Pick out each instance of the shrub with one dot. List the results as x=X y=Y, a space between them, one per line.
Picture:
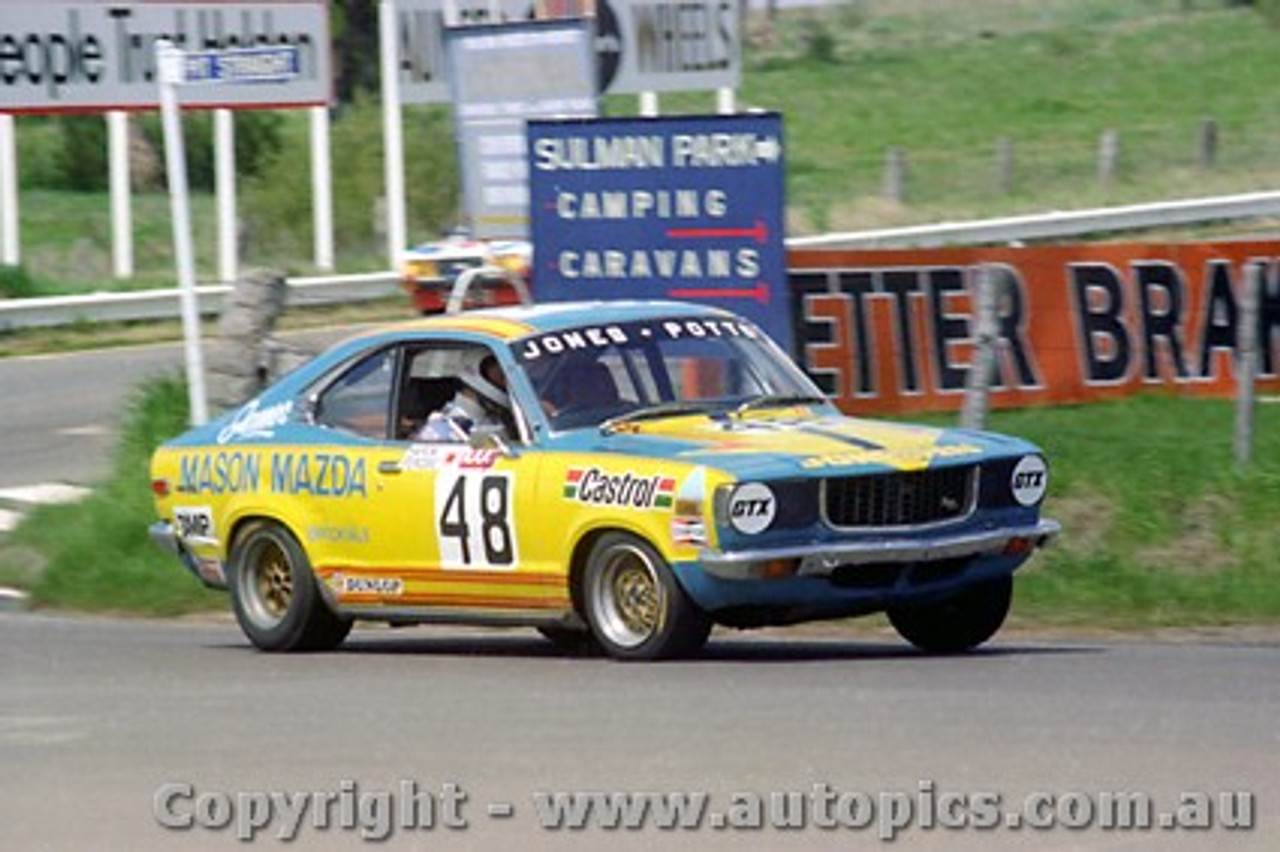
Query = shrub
x=257 y=140
x=277 y=205
x=16 y=283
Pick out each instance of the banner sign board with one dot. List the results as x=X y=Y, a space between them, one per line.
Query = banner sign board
x=682 y=207
x=503 y=75
x=891 y=330
x=86 y=56
x=640 y=45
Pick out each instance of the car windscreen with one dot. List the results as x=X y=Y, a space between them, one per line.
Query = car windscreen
x=586 y=375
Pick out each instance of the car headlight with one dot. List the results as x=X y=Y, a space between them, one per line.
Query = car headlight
x=747 y=507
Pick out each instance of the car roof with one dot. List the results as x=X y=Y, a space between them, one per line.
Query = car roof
x=515 y=322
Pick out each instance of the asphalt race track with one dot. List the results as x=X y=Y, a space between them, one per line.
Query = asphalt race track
x=62 y=412
x=107 y=725
x=458 y=739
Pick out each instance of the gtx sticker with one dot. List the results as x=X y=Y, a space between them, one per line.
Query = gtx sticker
x=626 y=490
x=751 y=508
x=1029 y=481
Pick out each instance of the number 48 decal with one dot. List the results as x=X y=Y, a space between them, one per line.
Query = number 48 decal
x=473 y=520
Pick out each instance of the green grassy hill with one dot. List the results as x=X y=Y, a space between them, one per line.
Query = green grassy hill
x=948 y=82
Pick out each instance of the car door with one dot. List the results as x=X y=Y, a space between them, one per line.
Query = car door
x=445 y=523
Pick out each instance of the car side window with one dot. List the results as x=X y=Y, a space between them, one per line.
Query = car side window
x=360 y=400
x=453 y=382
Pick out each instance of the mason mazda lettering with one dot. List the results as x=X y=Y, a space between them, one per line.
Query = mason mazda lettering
x=90 y=45
x=237 y=472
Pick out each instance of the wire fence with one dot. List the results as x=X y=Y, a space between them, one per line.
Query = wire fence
x=1122 y=165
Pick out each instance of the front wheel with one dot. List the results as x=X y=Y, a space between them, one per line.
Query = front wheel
x=635 y=607
x=275 y=596
x=958 y=623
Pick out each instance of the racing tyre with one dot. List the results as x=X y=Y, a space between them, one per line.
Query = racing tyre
x=275 y=596
x=636 y=609
x=957 y=623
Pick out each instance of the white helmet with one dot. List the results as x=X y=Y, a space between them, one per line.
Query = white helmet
x=471 y=376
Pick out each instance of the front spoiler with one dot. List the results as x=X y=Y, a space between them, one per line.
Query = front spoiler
x=820 y=560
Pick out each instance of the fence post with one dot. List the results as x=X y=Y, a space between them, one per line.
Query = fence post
x=1108 y=156
x=1207 y=145
x=977 y=383
x=895 y=175
x=1004 y=165
x=1247 y=363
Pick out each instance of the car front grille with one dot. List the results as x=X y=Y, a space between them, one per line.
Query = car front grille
x=899 y=499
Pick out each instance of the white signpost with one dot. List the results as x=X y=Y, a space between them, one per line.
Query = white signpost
x=176 y=68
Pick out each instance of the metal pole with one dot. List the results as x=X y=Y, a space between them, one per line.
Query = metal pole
x=392 y=132
x=118 y=178
x=224 y=175
x=726 y=100
x=169 y=63
x=977 y=388
x=9 y=249
x=1247 y=362
x=321 y=189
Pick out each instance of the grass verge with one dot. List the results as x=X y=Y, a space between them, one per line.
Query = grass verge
x=96 y=554
x=1160 y=528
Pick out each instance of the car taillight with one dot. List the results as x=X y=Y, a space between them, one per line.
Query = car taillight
x=160 y=487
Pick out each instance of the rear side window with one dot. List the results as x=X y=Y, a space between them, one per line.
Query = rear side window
x=360 y=400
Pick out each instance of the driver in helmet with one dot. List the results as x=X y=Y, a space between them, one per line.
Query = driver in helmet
x=481 y=401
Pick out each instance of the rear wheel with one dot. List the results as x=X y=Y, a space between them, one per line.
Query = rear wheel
x=957 y=623
x=275 y=596
x=636 y=609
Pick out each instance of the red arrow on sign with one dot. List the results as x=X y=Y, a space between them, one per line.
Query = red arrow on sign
x=760 y=232
x=760 y=293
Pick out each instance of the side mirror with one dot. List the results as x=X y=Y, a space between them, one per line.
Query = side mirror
x=490 y=437
x=310 y=412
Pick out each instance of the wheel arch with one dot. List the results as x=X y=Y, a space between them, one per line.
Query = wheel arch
x=582 y=547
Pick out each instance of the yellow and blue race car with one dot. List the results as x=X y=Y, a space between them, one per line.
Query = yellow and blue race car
x=626 y=474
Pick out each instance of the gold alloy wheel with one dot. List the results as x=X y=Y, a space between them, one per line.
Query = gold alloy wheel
x=628 y=596
x=267 y=581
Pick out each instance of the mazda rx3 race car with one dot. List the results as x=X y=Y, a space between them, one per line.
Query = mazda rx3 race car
x=653 y=469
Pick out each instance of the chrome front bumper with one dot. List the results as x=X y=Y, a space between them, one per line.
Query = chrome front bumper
x=820 y=560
